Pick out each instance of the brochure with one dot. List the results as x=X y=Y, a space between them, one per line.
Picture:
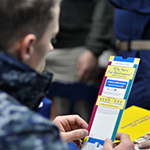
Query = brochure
x=136 y=122
x=111 y=101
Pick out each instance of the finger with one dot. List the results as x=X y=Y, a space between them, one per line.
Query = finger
x=108 y=144
x=84 y=75
x=122 y=136
x=70 y=122
x=144 y=145
x=76 y=121
x=78 y=143
x=80 y=74
x=74 y=135
x=80 y=69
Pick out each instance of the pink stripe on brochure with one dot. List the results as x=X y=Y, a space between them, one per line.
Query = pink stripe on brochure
x=95 y=106
x=92 y=118
x=104 y=80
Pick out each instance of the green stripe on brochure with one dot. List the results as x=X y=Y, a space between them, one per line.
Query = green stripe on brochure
x=121 y=111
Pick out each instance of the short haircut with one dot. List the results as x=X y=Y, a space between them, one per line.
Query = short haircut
x=21 y=17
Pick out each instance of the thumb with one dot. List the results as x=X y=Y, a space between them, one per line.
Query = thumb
x=74 y=135
x=108 y=144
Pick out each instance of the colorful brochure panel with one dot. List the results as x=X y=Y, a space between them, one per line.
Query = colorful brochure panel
x=111 y=101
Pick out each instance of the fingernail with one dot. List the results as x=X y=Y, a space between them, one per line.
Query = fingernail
x=84 y=133
x=107 y=139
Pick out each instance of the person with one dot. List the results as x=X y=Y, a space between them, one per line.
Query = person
x=132 y=31
x=100 y=39
x=80 y=21
x=26 y=28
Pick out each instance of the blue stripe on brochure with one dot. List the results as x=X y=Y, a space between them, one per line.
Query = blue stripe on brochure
x=93 y=140
x=129 y=59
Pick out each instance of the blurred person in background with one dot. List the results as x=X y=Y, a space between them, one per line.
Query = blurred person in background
x=86 y=31
x=132 y=32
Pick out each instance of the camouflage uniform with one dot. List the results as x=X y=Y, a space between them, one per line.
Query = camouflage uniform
x=21 y=91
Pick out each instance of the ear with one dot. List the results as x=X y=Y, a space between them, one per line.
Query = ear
x=27 y=47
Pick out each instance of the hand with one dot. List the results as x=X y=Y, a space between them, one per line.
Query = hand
x=87 y=66
x=125 y=143
x=72 y=128
x=144 y=145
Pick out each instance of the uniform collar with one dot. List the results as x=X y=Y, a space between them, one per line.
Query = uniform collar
x=22 y=82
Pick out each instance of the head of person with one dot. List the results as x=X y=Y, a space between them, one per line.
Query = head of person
x=27 y=28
